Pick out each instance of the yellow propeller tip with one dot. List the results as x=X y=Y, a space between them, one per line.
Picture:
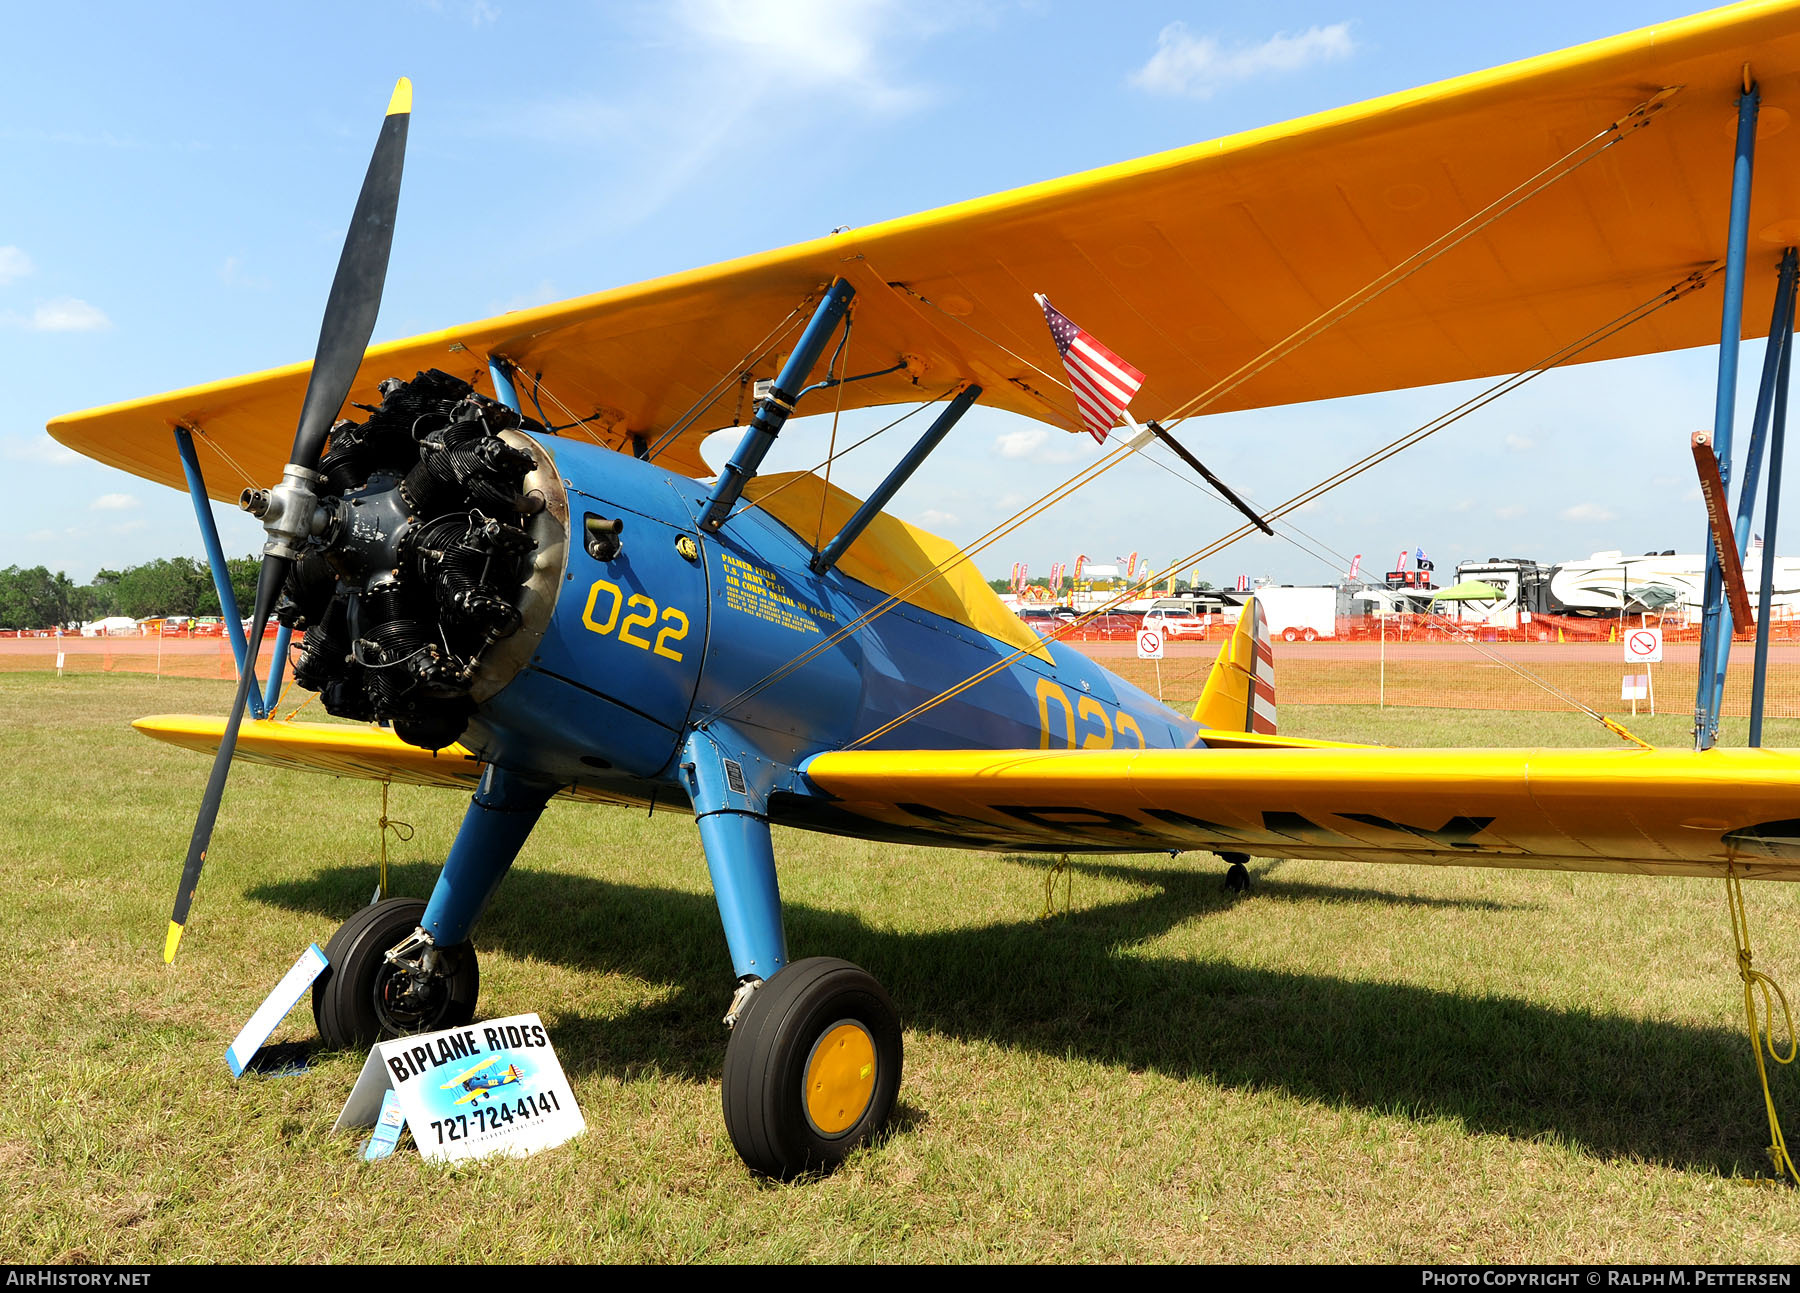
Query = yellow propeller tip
x=402 y=100
x=172 y=942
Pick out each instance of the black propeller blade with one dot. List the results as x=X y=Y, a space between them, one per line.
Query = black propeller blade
x=344 y=335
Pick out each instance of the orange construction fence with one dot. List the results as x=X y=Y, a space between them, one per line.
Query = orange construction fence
x=166 y=657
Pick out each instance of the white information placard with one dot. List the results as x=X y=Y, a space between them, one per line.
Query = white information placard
x=1149 y=644
x=1643 y=646
x=489 y=1088
x=274 y=1009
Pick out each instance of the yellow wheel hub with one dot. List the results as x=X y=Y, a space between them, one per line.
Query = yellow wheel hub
x=840 y=1078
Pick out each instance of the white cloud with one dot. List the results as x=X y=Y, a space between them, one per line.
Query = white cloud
x=1030 y=444
x=827 y=43
x=1520 y=443
x=475 y=12
x=1199 y=66
x=726 y=78
x=1511 y=512
x=931 y=518
x=232 y=274
x=544 y=293
x=39 y=449
x=69 y=314
x=1589 y=512
x=1020 y=444
x=13 y=264
x=113 y=503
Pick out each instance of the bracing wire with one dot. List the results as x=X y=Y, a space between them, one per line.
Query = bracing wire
x=1506 y=385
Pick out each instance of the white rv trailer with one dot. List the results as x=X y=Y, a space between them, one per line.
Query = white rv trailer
x=1608 y=583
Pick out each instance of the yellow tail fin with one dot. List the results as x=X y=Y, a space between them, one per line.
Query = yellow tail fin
x=1239 y=695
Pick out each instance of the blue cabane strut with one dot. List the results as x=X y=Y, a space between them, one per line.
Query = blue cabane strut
x=827 y=557
x=773 y=410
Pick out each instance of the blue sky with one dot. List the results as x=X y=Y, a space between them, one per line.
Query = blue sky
x=178 y=178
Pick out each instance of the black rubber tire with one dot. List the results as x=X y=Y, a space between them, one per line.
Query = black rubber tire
x=348 y=996
x=1237 y=878
x=765 y=1065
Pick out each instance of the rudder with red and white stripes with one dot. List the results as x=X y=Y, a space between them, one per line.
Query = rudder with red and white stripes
x=1239 y=695
x=1260 y=715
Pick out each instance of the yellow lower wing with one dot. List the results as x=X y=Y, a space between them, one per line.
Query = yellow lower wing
x=1671 y=812
x=339 y=749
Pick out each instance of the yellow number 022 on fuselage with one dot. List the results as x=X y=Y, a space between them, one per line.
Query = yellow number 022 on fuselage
x=641 y=613
x=1119 y=727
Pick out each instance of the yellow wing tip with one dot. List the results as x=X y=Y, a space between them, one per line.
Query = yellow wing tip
x=402 y=100
x=172 y=942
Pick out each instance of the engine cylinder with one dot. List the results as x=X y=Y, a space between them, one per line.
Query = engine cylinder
x=443 y=519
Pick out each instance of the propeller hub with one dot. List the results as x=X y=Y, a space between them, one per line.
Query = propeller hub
x=290 y=512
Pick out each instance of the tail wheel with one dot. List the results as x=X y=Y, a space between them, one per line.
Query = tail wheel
x=812 y=1068
x=363 y=998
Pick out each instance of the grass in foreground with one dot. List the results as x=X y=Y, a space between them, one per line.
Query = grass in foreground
x=1354 y=1063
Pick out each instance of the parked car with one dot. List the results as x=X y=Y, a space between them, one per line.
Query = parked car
x=1175 y=623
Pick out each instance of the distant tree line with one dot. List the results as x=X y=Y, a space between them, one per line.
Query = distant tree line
x=38 y=598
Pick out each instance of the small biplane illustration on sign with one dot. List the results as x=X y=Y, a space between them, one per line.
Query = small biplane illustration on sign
x=498 y=547
x=477 y=1085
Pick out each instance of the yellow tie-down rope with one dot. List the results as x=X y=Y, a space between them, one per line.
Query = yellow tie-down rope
x=1762 y=1035
x=403 y=832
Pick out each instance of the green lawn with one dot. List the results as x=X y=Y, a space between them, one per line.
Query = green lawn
x=1353 y=1063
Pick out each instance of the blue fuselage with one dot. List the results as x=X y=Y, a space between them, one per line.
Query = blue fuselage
x=682 y=628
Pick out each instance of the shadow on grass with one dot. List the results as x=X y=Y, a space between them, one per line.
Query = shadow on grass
x=1614 y=1086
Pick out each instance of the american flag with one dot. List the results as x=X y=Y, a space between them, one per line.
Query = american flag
x=1103 y=383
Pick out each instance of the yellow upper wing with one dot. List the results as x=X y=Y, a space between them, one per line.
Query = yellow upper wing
x=1188 y=262
x=1669 y=812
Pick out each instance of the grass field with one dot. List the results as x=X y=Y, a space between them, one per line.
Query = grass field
x=1353 y=1063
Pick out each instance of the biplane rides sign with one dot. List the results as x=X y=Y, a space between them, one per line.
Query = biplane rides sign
x=487 y=1088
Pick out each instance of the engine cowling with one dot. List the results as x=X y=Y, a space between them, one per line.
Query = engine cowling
x=437 y=568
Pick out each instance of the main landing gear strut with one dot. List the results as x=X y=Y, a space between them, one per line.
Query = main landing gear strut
x=814 y=1060
x=813 y=1064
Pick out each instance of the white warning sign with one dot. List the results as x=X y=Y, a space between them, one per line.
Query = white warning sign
x=1643 y=646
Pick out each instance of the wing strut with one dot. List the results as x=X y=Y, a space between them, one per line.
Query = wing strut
x=1727 y=544
x=826 y=558
x=233 y=618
